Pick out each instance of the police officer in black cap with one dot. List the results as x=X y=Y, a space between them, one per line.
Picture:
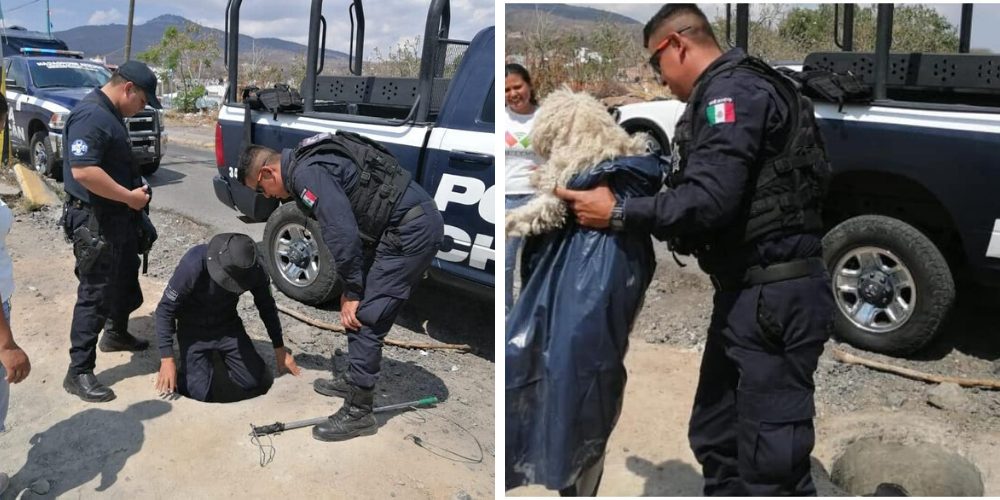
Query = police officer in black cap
x=102 y=217
x=748 y=174
x=199 y=304
x=362 y=202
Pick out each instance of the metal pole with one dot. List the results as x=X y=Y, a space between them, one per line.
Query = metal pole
x=965 y=32
x=48 y=18
x=848 y=42
x=742 y=26
x=883 y=42
x=128 y=31
x=281 y=426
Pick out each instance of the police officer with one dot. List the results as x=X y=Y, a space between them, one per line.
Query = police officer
x=199 y=304
x=101 y=216
x=746 y=182
x=366 y=205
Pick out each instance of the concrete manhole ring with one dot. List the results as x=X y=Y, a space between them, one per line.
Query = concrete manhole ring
x=921 y=469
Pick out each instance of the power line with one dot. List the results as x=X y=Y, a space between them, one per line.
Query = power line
x=12 y=9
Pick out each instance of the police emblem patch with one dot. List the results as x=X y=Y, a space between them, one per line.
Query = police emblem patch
x=170 y=293
x=79 y=148
x=308 y=198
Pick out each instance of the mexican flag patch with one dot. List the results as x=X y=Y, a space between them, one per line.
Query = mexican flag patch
x=308 y=198
x=721 y=111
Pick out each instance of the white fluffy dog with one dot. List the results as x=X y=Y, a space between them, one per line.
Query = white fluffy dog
x=573 y=133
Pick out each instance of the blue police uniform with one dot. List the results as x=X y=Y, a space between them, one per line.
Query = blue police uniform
x=204 y=317
x=751 y=427
x=383 y=280
x=95 y=134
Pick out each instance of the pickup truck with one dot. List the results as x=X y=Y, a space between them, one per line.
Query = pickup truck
x=912 y=203
x=43 y=86
x=440 y=126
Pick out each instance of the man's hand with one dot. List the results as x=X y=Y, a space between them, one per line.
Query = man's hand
x=348 y=313
x=592 y=207
x=285 y=362
x=166 y=381
x=138 y=198
x=15 y=361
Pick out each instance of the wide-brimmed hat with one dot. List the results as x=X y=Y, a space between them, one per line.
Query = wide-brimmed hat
x=233 y=262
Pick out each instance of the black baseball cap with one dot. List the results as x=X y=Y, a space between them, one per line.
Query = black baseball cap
x=143 y=77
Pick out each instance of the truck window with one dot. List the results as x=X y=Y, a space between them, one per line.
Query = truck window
x=15 y=71
x=70 y=74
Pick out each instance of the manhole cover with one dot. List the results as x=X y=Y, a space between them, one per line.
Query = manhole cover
x=921 y=469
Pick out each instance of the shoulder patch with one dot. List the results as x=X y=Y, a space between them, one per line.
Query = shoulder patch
x=79 y=147
x=170 y=293
x=721 y=110
x=308 y=197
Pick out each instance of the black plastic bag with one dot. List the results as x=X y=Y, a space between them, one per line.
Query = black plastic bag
x=567 y=335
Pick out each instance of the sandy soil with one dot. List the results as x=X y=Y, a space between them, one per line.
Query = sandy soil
x=141 y=446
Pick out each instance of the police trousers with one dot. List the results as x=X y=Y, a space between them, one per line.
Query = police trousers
x=110 y=289
x=402 y=256
x=211 y=366
x=751 y=427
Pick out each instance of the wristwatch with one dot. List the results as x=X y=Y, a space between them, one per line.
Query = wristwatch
x=617 y=221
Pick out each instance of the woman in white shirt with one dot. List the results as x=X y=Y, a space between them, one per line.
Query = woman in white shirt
x=519 y=158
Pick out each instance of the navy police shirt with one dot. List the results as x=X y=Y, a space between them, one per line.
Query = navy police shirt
x=321 y=182
x=95 y=134
x=740 y=121
x=195 y=306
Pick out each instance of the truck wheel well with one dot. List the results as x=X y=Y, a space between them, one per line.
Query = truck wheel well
x=35 y=126
x=644 y=125
x=876 y=193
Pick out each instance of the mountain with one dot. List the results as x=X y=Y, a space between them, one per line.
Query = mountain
x=522 y=16
x=109 y=40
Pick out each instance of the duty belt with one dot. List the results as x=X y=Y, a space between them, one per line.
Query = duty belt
x=77 y=203
x=758 y=275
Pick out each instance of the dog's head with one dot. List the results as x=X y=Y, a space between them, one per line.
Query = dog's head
x=578 y=125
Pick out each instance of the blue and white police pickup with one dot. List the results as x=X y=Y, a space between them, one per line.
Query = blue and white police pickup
x=440 y=126
x=43 y=85
x=912 y=203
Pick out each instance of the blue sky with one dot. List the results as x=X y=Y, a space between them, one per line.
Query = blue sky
x=386 y=21
x=985 y=17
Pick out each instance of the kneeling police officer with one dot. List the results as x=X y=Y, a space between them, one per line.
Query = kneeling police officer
x=199 y=304
x=382 y=230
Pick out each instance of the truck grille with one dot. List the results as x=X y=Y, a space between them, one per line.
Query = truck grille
x=142 y=122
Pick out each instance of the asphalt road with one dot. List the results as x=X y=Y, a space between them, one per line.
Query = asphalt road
x=183 y=184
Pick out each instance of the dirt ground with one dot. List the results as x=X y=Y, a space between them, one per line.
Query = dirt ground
x=141 y=446
x=649 y=455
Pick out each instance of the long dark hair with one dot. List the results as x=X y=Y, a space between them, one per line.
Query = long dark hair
x=517 y=69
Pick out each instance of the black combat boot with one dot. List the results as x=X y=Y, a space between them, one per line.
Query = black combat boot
x=88 y=388
x=337 y=386
x=117 y=338
x=353 y=419
x=333 y=387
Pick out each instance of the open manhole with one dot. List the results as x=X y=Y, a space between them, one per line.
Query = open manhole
x=920 y=469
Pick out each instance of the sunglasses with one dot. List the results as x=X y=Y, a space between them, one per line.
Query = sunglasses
x=654 y=60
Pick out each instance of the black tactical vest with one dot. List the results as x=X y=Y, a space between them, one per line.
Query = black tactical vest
x=787 y=189
x=381 y=181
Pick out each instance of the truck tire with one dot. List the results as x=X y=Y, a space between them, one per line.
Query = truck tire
x=658 y=143
x=891 y=285
x=297 y=258
x=41 y=156
x=151 y=167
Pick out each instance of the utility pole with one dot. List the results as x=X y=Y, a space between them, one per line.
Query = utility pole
x=48 y=18
x=128 y=31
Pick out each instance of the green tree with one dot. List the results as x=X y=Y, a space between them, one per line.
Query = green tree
x=187 y=54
